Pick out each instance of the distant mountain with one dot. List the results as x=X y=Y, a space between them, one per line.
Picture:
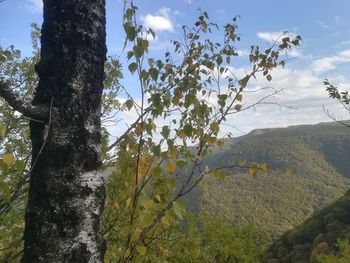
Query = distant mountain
x=275 y=202
x=318 y=234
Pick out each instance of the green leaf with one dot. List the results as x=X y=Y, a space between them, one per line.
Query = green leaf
x=195 y=253
x=238 y=107
x=219 y=60
x=128 y=14
x=157 y=171
x=181 y=164
x=156 y=150
x=165 y=132
x=130 y=54
x=8 y=159
x=138 y=50
x=130 y=31
x=149 y=204
x=132 y=67
x=2 y=58
x=142 y=250
x=5 y=191
x=2 y=131
x=178 y=208
x=206 y=15
x=150 y=62
x=145 y=45
x=129 y=104
x=154 y=73
x=243 y=82
x=146 y=219
x=188 y=129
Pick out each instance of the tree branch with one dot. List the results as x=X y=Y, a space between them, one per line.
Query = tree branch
x=26 y=108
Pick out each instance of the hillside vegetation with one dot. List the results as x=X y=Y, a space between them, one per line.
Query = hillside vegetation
x=317 y=235
x=308 y=171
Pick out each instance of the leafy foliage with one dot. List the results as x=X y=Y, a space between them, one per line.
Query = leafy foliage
x=342 y=256
x=150 y=167
x=152 y=174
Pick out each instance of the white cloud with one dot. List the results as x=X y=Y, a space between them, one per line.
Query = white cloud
x=323 y=24
x=34 y=5
x=276 y=37
x=293 y=53
x=243 y=52
x=342 y=44
x=272 y=37
x=303 y=93
x=338 y=20
x=161 y=21
x=329 y=63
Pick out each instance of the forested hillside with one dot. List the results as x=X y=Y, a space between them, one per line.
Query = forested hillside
x=308 y=171
x=318 y=234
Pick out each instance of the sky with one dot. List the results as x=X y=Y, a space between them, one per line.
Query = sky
x=324 y=26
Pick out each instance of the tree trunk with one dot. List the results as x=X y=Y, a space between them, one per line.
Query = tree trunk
x=66 y=194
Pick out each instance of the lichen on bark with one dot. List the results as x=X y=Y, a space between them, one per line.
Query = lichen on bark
x=66 y=194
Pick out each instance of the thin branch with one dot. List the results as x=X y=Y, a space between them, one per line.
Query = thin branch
x=126 y=133
x=345 y=123
x=26 y=108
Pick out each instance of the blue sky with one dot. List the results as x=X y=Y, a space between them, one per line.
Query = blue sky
x=325 y=51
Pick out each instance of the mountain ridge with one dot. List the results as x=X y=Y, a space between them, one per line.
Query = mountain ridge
x=275 y=202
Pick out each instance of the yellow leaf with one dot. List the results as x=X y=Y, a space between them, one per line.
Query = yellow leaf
x=239 y=97
x=137 y=233
x=168 y=67
x=173 y=154
x=242 y=163
x=149 y=204
x=142 y=250
x=215 y=127
x=162 y=251
x=138 y=130
x=2 y=131
x=170 y=168
x=9 y=159
x=288 y=171
x=264 y=166
x=181 y=134
x=159 y=199
x=253 y=171
x=128 y=202
x=143 y=167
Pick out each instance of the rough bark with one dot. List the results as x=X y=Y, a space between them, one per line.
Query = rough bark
x=66 y=194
